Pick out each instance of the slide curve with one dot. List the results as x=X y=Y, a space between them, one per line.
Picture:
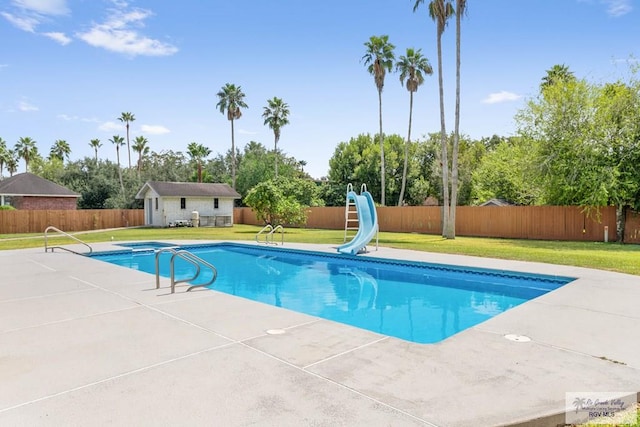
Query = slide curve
x=367 y=223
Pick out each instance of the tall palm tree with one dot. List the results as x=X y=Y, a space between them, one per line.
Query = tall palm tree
x=95 y=144
x=198 y=152
x=118 y=141
x=230 y=101
x=4 y=155
x=450 y=233
x=412 y=68
x=557 y=73
x=140 y=146
x=440 y=11
x=379 y=59
x=127 y=118
x=60 y=150
x=12 y=162
x=26 y=149
x=276 y=115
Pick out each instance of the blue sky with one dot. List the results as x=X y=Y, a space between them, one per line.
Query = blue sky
x=69 y=68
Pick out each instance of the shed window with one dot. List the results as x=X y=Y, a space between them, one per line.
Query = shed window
x=215 y=203
x=183 y=203
x=156 y=203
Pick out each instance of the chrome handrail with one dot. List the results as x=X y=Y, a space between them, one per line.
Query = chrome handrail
x=265 y=228
x=193 y=259
x=46 y=241
x=277 y=227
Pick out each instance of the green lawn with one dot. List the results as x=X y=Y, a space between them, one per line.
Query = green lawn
x=605 y=256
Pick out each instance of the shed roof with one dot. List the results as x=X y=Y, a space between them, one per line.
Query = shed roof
x=28 y=184
x=188 y=189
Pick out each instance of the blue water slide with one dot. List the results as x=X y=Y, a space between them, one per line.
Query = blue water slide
x=367 y=223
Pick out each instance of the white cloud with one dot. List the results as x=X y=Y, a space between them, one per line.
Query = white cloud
x=25 y=23
x=25 y=106
x=44 y=7
x=120 y=34
x=502 y=96
x=67 y=117
x=111 y=126
x=246 y=132
x=618 y=7
x=59 y=37
x=154 y=129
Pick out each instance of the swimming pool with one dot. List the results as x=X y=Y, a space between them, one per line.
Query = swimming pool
x=419 y=302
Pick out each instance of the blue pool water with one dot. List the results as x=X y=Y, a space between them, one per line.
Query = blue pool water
x=146 y=245
x=419 y=302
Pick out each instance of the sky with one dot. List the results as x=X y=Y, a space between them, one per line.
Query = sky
x=69 y=68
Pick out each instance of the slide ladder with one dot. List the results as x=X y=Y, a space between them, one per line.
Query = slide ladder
x=350 y=215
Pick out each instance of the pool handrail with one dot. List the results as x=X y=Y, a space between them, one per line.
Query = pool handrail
x=267 y=227
x=191 y=258
x=46 y=241
x=274 y=229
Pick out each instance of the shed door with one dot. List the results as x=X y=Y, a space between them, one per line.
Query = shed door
x=150 y=211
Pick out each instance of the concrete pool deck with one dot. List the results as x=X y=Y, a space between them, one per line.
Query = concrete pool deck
x=84 y=342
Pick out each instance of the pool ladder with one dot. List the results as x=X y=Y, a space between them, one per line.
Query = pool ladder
x=271 y=231
x=191 y=258
x=57 y=230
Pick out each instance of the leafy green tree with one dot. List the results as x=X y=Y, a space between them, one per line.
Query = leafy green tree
x=559 y=73
x=379 y=59
x=60 y=150
x=95 y=144
x=440 y=11
x=11 y=162
x=273 y=206
x=26 y=149
x=167 y=166
x=141 y=146
x=198 y=153
x=276 y=115
x=412 y=67
x=118 y=141
x=230 y=102
x=127 y=118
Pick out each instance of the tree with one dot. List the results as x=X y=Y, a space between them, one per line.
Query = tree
x=140 y=146
x=440 y=11
x=230 y=101
x=12 y=162
x=95 y=144
x=4 y=155
x=60 y=150
x=559 y=73
x=276 y=115
x=118 y=141
x=379 y=60
x=198 y=152
x=282 y=201
x=26 y=149
x=127 y=118
x=412 y=68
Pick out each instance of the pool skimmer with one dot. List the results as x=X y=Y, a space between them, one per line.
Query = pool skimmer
x=517 y=338
x=275 y=331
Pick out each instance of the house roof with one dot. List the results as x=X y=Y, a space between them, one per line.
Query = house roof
x=497 y=202
x=28 y=184
x=188 y=189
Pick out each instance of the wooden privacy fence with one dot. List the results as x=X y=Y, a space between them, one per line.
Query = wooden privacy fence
x=517 y=222
x=28 y=221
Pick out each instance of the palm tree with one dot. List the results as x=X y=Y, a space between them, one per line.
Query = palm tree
x=4 y=155
x=26 y=149
x=450 y=233
x=412 y=68
x=118 y=141
x=140 y=146
x=12 y=162
x=440 y=11
x=60 y=150
x=127 y=118
x=379 y=59
x=95 y=144
x=230 y=101
x=556 y=74
x=276 y=115
x=198 y=152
